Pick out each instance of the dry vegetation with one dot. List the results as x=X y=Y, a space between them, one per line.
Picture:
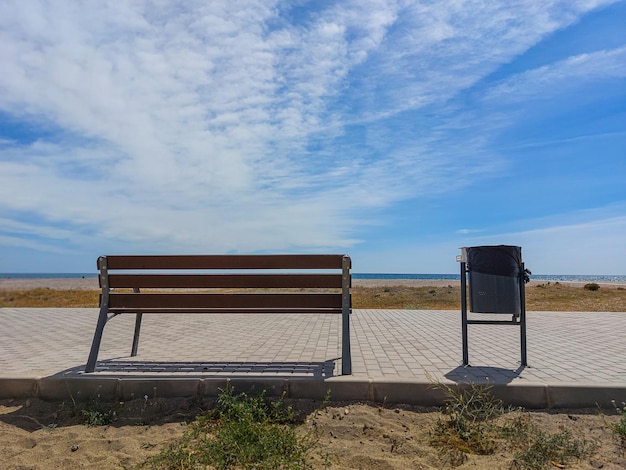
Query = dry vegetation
x=539 y=297
x=45 y=297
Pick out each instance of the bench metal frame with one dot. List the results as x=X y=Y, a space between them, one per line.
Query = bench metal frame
x=198 y=281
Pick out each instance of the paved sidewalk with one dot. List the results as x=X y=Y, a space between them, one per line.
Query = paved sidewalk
x=575 y=359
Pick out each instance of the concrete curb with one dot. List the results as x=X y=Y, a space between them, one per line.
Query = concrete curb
x=383 y=391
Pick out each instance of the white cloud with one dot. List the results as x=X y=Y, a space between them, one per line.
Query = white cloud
x=558 y=79
x=20 y=242
x=592 y=248
x=437 y=49
x=581 y=242
x=188 y=125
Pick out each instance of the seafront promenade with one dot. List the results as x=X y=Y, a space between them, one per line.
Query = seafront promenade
x=575 y=359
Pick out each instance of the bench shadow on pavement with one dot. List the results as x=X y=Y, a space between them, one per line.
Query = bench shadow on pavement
x=126 y=368
x=483 y=375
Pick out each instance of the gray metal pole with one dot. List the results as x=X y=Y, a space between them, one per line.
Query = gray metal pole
x=522 y=289
x=346 y=309
x=102 y=317
x=133 y=350
x=464 y=313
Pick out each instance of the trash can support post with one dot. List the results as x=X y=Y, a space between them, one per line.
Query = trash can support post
x=522 y=317
x=464 y=313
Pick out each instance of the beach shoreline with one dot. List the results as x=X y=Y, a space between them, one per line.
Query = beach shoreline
x=91 y=283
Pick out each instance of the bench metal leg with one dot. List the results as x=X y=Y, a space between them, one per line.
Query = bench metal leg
x=97 y=338
x=346 y=354
x=133 y=351
x=346 y=309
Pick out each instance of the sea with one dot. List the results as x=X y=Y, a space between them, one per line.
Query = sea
x=425 y=277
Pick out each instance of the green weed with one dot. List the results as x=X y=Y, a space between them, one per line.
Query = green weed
x=467 y=427
x=619 y=428
x=477 y=423
x=96 y=413
x=544 y=449
x=241 y=431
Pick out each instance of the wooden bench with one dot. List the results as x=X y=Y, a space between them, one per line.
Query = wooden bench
x=308 y=284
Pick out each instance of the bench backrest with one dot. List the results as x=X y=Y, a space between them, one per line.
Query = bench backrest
x=314 y=283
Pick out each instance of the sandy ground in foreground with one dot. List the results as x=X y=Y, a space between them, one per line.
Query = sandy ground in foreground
x=39 y=435
x=92 y=283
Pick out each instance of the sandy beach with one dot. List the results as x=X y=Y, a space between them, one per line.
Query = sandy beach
x=92 y=283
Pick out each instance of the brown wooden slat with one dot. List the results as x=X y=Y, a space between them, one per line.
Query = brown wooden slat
x=306 y=261
x=226 y=310
x=225 y=301
x=199 y=281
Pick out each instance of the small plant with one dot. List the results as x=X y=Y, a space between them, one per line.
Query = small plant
x=50 y=427
x=619 y=428
x=592 y=286
x=556 y=449
x=467 y=428
x=477 y=423
x=97 y=413
x=94 y=412
x=241 y=431
x=516 y=430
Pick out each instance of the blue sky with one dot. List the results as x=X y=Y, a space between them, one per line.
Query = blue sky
x=394 y=131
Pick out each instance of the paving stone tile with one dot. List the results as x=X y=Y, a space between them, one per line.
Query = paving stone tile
x=563 y=347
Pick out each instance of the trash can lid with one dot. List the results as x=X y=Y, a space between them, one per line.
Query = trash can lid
x=502 y=260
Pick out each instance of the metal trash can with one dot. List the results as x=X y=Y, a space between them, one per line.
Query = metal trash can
x=496 y=281
x=494 y=278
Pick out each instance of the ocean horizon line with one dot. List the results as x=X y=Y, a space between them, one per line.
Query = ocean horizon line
x=364 y=276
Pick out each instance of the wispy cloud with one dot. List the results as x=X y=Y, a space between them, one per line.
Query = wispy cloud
x=586 y=241
x=561 y=78
x=591 y=247
x=259 y=125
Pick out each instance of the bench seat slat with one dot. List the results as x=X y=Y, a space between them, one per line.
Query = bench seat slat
x=225 y=310
x=209 y=281
x=224 y=301
x=224 y=262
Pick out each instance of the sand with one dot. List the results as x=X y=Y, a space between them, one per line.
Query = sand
x=60 y=284
x=92 y=283
x=39 y=435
